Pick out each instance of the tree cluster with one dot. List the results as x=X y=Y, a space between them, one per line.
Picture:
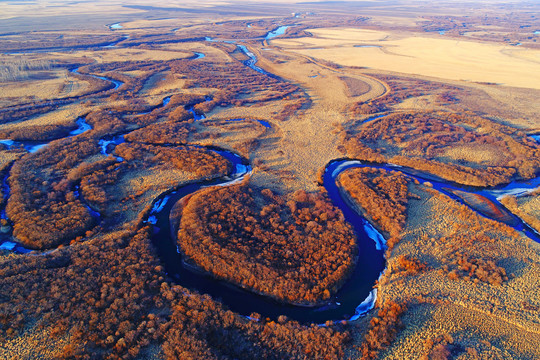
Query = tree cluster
x=477 y=270
x=407 y=265
x=383 y=329
x=42 y=40
x=382 y=194
x=298 y=251
x=37 y=132
x=169 y=132
x=112 y=297
x=236 y=84
x=421 y=140
x=44 y=206
x=199 y=161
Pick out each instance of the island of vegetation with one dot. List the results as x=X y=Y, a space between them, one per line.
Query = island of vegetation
x=300 y=180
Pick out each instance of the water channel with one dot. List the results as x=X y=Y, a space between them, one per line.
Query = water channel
x=356 y=296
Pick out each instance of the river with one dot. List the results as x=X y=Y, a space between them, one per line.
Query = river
x=356 y=296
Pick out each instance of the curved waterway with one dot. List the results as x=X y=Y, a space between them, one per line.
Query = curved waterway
x=82 y=125
x=107 y=145
x=116 y=83
x=6 y=242
x=348 y=303
x=357 y=295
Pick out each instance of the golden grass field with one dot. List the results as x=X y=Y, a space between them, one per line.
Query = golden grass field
x=57 y=84
x=497 y=321
x=527 y=207
x=471 y=313
x=421 y=55
x=65 y=115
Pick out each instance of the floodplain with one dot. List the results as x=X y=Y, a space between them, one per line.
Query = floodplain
x=291 y=180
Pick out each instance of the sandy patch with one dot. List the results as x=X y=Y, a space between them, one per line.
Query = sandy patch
x=436 y=57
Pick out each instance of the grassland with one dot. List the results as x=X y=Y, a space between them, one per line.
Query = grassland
x=527 y=207
x=428 y=56
x=463 y=101
x=502 y=318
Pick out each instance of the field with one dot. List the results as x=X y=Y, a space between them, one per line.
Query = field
x=428 y=56
x=106 y=251
x=438 y=294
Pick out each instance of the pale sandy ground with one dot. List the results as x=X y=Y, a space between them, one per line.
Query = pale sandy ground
x=504 y=316
x=422 y=55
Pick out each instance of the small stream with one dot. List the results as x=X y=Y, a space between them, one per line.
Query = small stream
x=116 y=83
x=357 y=295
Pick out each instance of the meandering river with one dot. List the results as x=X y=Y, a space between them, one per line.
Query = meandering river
x=353 y=299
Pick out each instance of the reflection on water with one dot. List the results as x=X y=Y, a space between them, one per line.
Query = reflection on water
x=274 y=33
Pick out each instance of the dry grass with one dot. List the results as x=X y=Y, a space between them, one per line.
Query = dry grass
x=41 y=85
x=307 y=141
x=127 y=54
x=526 y=207
x=34 y=343
x=288 y=156
x=472 y=312
x=476 y=154
x=6 y=157
x=145 y=185
x=436 y=57
x=65 y=115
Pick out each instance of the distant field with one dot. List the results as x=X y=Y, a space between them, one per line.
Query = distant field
x=134 y=55
x=428 y=56
x=41 y=85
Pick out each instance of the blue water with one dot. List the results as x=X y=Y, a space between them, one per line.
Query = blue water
x=349 y=301
x=252 y=61
x=374 y=118
x=366 y=46
x=491 y=194
x=116 y=83
x=274 y=33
